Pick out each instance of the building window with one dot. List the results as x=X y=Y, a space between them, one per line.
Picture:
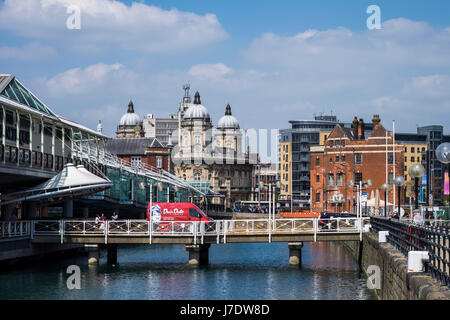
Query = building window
x=406 y=149
x=317 y=162
x=412 y=159
x=331 y=144
x=337 y=159
x=331 y=160
x=342 y=143
x=418 y=159
x=197 y=176
x=317 y=197
x=358 y=159
x=342 y=158
x=197 y=139
x=406 y=159
x=318 y=178
x=358 y=177
x=390 y=158
x=412 y=150
x=159 y=162
x=340 y=179
x=135 y=161
x=331 y=179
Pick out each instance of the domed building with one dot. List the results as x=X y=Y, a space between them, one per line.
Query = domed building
x=217 y=164
x=130 y=124
x=228 y=135
x=196 y=129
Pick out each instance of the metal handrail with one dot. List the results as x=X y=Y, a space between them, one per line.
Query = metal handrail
x=406 y=236
x=197 y=230
x=18 y=228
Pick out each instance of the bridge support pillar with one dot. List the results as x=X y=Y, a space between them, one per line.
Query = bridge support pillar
x=295 y=253
x=93 y=253
x=112 y=253
x=85 y=213
x=198 y=254
x=68 y=208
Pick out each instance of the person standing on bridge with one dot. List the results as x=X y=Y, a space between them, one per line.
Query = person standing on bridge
x=115 y=216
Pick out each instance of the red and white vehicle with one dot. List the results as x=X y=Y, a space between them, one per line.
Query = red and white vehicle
x=165 y=212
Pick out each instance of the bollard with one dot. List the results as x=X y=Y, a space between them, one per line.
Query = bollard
x=382 y=236
x=416 y=260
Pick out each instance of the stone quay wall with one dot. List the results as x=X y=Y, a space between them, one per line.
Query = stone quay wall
x=395 y=282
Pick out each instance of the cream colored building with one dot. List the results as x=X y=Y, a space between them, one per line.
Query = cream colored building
x=211 y=156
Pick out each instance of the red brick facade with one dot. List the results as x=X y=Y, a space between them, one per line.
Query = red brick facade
x=344 y=157
x=151 y=156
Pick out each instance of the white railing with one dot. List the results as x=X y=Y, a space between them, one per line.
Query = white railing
x=198 y=230
x=9 y=229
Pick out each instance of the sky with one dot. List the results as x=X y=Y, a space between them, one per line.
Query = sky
x=272 y=61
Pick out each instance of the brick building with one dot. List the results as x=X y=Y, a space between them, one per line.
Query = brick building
x=347 y=154
x=148 y=151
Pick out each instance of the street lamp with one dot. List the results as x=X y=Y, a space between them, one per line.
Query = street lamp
x=416 y=171
x=385 y=188
x=399 y=182
x=443 y=155
x=359 y=187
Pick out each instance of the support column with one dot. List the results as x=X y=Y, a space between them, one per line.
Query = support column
x=93 y=253
x=85 y=213
x=295 y=253
x=30 y=210
x=112 y=253
x=7 y=211
x=68 y=208
x=198 y=254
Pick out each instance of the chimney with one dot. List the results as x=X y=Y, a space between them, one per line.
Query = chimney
x=361 y=129
x=375 y=120
x=355 y=128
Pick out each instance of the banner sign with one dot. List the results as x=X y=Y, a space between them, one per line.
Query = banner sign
x=446 y=184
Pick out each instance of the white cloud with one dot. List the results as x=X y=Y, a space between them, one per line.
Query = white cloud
x=29 y=52
x=89 y=79
x=209 y=71
x=108 y=24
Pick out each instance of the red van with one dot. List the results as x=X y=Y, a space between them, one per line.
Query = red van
x=178 y=211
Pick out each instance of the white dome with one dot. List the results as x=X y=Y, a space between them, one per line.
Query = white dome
x=130 y=118
x=228 y=121
x=197 y=110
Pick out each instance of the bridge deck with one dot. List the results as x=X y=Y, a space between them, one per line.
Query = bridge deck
x=218 y=231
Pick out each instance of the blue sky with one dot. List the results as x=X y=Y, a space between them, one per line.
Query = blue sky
x=273 y=61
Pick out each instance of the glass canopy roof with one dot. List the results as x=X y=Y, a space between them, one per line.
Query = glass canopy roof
x=17 y=92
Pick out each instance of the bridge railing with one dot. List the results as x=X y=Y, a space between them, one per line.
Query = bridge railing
x=434 y=238
x=195 y=229
x=10 y=229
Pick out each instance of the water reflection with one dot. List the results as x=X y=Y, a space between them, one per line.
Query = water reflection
x=236 y=271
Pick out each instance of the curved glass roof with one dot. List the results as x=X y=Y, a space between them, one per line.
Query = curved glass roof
x=14 y=90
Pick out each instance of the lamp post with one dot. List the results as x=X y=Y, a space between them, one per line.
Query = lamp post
x=385 y=188
x=399 y=182
x=416 y=171
x=261 y=186
x=443 y=156
x=359 y=187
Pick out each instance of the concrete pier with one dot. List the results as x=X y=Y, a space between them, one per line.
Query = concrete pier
x=93 y=253
x=111 y=250
x=295 y=253
x=198 y=254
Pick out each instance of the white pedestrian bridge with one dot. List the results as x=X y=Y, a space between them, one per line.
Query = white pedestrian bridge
x=189 y=232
